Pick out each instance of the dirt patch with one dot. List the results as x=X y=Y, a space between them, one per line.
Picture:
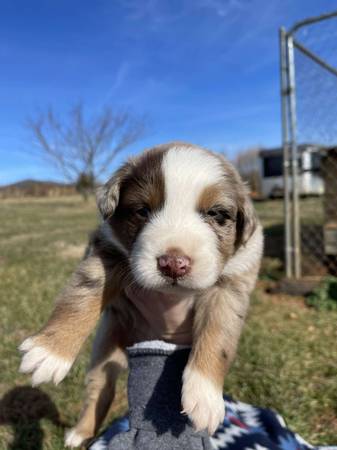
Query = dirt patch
x=265 y=292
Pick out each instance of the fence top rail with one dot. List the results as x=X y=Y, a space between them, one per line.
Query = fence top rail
x=310 y=21
x=315 y=58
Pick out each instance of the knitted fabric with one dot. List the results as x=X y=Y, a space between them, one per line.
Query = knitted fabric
x=154 y=394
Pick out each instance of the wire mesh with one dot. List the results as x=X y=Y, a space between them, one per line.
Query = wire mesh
x=316 y=111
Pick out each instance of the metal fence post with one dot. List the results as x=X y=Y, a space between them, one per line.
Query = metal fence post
x=285 y=143
x=294 y=157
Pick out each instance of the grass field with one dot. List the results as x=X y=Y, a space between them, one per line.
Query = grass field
x=287 y=358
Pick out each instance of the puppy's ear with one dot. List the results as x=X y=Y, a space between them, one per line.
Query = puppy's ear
x=246 y=220
x=107 y=196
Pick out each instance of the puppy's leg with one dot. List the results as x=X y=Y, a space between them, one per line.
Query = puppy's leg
x=107 y=361
x=218 y=322
x=50 y=353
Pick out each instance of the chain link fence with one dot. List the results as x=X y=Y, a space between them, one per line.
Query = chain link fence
x=309 y=116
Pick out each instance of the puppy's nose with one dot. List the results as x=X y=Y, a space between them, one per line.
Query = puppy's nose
x=173 y=265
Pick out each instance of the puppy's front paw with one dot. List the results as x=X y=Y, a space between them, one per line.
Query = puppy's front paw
x=202 y=401
x=75 y=438
x=42 y=363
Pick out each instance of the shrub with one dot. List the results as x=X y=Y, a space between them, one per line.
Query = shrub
x=324 y=296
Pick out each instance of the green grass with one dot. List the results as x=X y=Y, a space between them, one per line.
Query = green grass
x=287 y=358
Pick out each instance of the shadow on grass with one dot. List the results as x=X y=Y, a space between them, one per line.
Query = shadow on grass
x=22 y=408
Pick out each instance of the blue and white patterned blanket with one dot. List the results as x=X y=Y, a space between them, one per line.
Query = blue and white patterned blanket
x=245 y=427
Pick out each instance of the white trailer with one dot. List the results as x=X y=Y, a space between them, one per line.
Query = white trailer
x=270 y=166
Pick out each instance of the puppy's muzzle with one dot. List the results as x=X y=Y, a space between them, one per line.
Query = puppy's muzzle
x=174 y=265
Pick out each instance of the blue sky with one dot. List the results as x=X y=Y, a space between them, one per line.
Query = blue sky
x=204 y=71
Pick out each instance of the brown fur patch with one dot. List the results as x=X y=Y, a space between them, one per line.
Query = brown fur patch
x=143 y=187
x=217 y=196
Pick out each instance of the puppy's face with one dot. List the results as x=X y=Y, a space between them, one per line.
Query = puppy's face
x=177 y=211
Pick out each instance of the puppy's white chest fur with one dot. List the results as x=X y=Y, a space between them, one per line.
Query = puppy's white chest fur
x=169 y=316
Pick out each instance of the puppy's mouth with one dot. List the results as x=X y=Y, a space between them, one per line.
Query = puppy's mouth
x=171 y=279
x=176 y=284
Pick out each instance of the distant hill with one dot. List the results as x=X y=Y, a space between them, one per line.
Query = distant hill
x=36 y=188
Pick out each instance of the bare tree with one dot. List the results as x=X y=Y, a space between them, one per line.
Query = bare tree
x=82 y=148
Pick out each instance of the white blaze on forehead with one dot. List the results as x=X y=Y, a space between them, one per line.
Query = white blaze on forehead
x=187 y=172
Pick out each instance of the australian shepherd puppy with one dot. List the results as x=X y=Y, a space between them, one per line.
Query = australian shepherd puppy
x=178 y=223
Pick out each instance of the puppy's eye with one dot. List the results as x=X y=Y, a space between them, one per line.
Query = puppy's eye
x=220 y=215
x=143 y=212
x=212 y=213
